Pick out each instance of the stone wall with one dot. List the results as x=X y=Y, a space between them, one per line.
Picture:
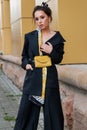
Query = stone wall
x=73 y=88
x=11 y=67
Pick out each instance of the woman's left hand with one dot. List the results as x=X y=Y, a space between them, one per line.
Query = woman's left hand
x=47 y=48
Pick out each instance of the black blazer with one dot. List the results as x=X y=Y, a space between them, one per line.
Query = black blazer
x=33 y=79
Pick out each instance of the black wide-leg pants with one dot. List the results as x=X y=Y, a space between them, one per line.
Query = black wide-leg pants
x=28 y=114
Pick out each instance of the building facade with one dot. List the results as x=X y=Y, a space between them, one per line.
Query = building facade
x=69 y=17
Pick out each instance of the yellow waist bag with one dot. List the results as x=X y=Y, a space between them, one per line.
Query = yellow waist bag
x=42 y=61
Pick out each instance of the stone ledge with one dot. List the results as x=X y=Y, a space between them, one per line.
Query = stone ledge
x=76 y=75
x=12 y=59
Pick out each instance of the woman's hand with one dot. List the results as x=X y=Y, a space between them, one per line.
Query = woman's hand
x=46 y=48
x=28 y=66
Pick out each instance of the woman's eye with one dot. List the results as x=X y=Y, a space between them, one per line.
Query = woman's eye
x=36 y=19
x=42 y=17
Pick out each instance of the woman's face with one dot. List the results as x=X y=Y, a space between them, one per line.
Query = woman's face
x=41 y=19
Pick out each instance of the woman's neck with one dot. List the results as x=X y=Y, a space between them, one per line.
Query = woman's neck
x=46 y=31
x=47 y=34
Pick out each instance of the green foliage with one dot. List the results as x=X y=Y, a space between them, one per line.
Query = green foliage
x=9 y=118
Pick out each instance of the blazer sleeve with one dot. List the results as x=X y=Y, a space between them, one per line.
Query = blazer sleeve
x=58 y=49
x=57 y=53
x=25 y=56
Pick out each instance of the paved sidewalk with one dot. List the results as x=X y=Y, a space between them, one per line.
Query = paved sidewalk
x=9 y=103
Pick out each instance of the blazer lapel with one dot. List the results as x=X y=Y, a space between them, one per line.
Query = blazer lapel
x=34 y=42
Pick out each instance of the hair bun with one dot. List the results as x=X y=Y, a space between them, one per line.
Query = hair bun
x=44 y=4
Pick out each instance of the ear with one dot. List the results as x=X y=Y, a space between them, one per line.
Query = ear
x=49 y=19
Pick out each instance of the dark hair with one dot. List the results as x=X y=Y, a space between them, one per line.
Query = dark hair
x=44 y=7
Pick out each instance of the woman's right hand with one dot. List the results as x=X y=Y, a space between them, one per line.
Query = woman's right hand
x=28 y=66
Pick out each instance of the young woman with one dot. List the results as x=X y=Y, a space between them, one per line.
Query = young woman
x=52 y=45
